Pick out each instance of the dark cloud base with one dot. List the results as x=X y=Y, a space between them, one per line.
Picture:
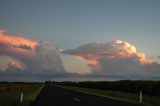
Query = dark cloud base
x=56 y=76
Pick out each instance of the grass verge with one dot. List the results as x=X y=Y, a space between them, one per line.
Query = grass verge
x=10 y=94
x=116 y=95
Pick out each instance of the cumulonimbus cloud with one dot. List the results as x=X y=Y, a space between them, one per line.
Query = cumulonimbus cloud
x=14 y=65
x=30 y=55
x=115 y=58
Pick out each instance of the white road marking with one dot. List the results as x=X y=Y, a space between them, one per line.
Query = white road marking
x=76 y=99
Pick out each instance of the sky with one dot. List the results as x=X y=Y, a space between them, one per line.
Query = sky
x=81 y=38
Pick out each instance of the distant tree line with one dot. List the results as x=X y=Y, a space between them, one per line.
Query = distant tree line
x=147 y=87
x=6 y=82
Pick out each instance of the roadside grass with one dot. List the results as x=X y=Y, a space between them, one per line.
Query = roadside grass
x=10 y=94
x=116 y=95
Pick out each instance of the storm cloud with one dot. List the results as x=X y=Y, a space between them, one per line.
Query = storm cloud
x=22 y=58
x=30 y=55
x=116 y=58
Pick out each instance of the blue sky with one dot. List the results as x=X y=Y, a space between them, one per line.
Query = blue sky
x=70 y=23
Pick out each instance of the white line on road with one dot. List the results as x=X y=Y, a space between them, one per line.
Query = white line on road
x=76 y=99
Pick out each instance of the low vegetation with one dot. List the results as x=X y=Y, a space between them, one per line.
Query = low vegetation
x=127 y=90
x=120 y=90
x=10 y=93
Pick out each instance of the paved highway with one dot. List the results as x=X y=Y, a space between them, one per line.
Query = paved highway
x=55 y=96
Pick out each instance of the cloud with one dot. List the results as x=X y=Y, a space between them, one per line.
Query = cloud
x=21 y=58
x=31 y=56
x=13 y=65
x=23 y=47
x=74 y=65
x=116 y=58
x=47 y=58
x=4 y=60
x=12 y=46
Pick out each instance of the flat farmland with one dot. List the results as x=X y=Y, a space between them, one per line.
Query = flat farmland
x=10 y=93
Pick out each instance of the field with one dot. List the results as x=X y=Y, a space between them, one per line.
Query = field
x=10 y=93
x=125 y=91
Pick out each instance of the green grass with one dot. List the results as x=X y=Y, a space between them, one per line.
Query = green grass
x=10 y=94
x=116 y=95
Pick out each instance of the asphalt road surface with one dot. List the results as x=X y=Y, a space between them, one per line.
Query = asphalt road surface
x=55 y=96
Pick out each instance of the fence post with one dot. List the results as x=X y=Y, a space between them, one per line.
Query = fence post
x=21 y=98
x=140 y=97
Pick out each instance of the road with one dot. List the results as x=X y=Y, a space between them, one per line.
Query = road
x=55 y=96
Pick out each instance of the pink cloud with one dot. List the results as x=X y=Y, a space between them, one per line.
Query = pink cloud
x=116 y=57
x=13 y=65
x=34 y=55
